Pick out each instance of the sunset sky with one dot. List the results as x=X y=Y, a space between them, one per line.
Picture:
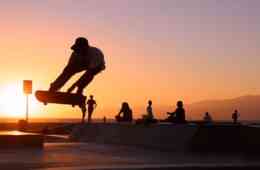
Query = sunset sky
x=163 y=50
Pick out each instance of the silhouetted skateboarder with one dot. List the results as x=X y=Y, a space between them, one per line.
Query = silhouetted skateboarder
x=83 y=58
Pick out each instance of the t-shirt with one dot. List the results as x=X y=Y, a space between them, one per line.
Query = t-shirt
x=91 y=103
x=93 y=59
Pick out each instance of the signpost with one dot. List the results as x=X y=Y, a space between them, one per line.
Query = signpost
x=27 y=89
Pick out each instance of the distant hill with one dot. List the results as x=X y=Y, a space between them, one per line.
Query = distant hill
x=248 y=106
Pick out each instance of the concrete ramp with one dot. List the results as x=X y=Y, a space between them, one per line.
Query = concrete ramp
x=17 y=139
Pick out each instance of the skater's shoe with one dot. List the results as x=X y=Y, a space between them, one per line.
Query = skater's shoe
x=80 y=91
x=52 y=88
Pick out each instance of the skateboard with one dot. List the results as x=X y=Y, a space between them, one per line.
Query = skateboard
x=61 y=98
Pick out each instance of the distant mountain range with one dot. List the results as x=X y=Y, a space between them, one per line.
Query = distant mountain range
x=248 y=107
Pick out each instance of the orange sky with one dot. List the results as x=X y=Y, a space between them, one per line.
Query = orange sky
x=153 y=51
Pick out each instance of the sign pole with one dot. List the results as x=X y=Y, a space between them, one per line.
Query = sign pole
x=27 y=89
x=27 y=107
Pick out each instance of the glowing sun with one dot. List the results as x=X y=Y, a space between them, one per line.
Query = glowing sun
x=12 y=101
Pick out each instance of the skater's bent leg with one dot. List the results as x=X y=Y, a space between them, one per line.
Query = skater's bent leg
x=71 y=88
x=84 y=80
x=83 y=117
x=62 y=79
x=83 y=109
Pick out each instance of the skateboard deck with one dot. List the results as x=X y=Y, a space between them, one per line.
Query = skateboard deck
x=60 y=98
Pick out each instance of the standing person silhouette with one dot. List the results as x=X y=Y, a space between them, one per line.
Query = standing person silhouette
x=83 y=58
x=235 y=116
x=91 y=106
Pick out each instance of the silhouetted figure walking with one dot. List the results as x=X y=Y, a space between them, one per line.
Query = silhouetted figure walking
x=127 y=113
x=83 y=58
x=235 y=116
x=91 y=106
x=207 y=118
x=179 y=115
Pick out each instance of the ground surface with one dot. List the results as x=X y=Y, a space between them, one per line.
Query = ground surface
x=69 y=156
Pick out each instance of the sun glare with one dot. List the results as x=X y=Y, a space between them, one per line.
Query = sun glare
x=12 y=101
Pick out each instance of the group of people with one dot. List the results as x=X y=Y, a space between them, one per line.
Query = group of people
x=208 y=118
x=126 y=114
x=178 y=116
x=85 y=57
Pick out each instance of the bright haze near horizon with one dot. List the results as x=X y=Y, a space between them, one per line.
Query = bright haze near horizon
x=160 y=50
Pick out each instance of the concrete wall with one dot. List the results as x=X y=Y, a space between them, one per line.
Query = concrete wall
x=207 y=138
x=159 y=136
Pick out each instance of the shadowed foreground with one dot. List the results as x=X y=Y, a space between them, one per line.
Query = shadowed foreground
x=56 y=156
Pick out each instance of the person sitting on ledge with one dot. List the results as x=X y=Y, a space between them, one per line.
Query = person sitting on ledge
x=207 y=118
x=178 y=116
x=127 y=113
x=148 y=117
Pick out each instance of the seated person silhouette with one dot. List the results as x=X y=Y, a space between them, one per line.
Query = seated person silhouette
x=148 y=117
x=178 y=116
x=127 y=113
x=83 y=58
x=207 y=118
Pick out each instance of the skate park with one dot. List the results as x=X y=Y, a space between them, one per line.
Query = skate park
x=129 y=85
